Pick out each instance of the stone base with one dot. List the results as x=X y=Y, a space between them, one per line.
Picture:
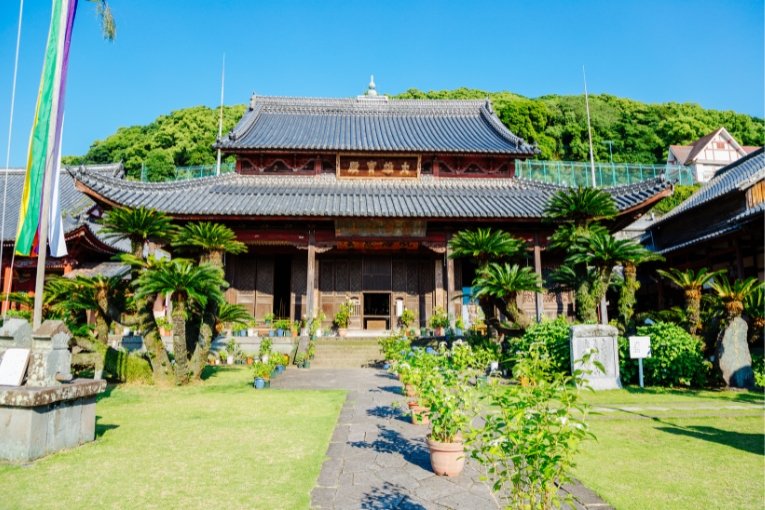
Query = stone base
x=38 y=421
x=603 y=339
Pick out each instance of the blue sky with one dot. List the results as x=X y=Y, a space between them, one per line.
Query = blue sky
x=168 y=53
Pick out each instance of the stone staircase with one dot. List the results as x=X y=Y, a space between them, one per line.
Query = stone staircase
x=349 y=352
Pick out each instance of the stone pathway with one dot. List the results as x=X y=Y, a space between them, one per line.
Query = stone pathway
x=378 y=460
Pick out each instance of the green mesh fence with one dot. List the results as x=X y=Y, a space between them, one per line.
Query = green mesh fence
x=572 y=173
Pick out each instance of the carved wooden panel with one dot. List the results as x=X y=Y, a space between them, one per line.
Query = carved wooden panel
x=327 y=276
x=356 y=271
x=399 y=275
x=377 y=273
x=298 y=286
x=412 y=277
x=342 y=276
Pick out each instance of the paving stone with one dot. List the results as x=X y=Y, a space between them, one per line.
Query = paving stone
x=389 y=460
x=366 y=478
x=330 y=472
x=467 y=501
x=322 y=497
x=437 y=487
x=336 y=450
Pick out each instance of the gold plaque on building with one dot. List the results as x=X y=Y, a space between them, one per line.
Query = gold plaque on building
x=355 y=166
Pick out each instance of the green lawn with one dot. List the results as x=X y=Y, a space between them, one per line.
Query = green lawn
x=676 y=449
x=220 y=444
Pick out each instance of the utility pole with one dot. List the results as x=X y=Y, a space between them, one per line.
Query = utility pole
x=589 y=128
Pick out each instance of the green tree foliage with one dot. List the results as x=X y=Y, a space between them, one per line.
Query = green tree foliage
x=182 y=138
x=212 y=240
x=640 y=132
x=692 y=284
x=678 y=196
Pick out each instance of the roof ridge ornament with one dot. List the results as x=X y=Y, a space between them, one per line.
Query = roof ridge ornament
x=252 y=101
x=372 y=89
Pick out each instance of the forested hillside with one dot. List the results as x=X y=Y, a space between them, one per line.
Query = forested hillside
x=639 y=132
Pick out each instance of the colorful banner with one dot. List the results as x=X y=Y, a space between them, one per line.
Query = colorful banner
x=44 y=143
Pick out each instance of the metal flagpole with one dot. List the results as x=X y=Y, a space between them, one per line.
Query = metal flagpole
x=589 y=128
x=7 y=284
x=220 y=117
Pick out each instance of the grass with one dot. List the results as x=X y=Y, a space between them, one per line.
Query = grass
x=678 y=449
x=219 y=444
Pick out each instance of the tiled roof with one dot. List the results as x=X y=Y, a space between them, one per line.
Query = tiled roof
x=373 y=124
x=699 y=144
x=326 y=196
x=74 y=204
x=681 y=152
x=725 y=180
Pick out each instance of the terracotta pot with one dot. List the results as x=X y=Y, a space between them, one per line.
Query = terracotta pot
x=446 y=459
x=409 y=390
x=412 y=403
x=420 y=415
x=342 y=332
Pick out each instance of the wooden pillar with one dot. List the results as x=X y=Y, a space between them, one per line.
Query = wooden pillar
x=310 y=309
x=450 y=286
x=538 y=271
x=7 y=285
x=439 y=282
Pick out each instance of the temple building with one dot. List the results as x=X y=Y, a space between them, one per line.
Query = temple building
x=356 y=199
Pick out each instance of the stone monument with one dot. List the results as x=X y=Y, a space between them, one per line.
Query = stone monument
x=49 y=411
x=601 y=340
x=733 y=356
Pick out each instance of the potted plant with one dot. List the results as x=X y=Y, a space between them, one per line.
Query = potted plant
x=314 y=325
x=268 y=320
x=407 y=319
x=311 y=350
x=282 y=326
x=265 y=349
x=343 y=318
x=223 y=356
x=451 y=411
x=262 y=373
x=439 y=321
x=232 y=348
x=459 y=327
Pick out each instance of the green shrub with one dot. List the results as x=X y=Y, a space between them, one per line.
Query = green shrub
x=122 y=366
x=676 y=357
x=758 y=366
x=554 y=339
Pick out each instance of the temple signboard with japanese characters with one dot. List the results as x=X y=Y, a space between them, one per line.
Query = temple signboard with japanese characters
x=378 y=167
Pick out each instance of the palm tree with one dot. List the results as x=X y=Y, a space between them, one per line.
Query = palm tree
x=735 y=294
x=191 y=287
x=631 y=285
x=137 y=225
x=578 y=280
x=602 y=252
x=211 y=239
x=691 y=283
x=754 y=307
x=581 y=206
x=485 y=245
x=104 y=296
x=502 y=283
x=233 y=314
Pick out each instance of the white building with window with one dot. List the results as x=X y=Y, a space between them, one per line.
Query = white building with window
x=708 y=154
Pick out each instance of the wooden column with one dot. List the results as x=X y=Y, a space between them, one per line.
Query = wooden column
x=739 y=258
x=450 y=286
x=439 y=282
x=310 y=309
x=538 y=271
x=7 y=281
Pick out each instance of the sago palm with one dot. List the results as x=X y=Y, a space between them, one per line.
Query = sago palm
x=137 y=225
x=735 y=294
x=502 y=283
x=631 y=285
x=691 y=283
x=580 y=206
x=754 y=307
x=190 y=287
x=233 y=314
x=212 y=240
x=578 y=280
x=484 y=245
x=602 y=252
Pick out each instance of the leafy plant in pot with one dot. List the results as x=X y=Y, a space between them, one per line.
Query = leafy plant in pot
x=343 y=318
x=302 y=361
x=452 y=408
x=439 y=321
x=262 y=373
x=232 y=350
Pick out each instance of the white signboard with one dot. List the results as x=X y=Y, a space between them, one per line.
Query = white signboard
x=13 y=367
x=640 y=347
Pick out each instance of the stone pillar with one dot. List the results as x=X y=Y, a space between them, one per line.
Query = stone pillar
x=450 y=285
x=7 y=285
x=310 y=309
x=538 y=271
x=602 y=341
x=733 y=356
